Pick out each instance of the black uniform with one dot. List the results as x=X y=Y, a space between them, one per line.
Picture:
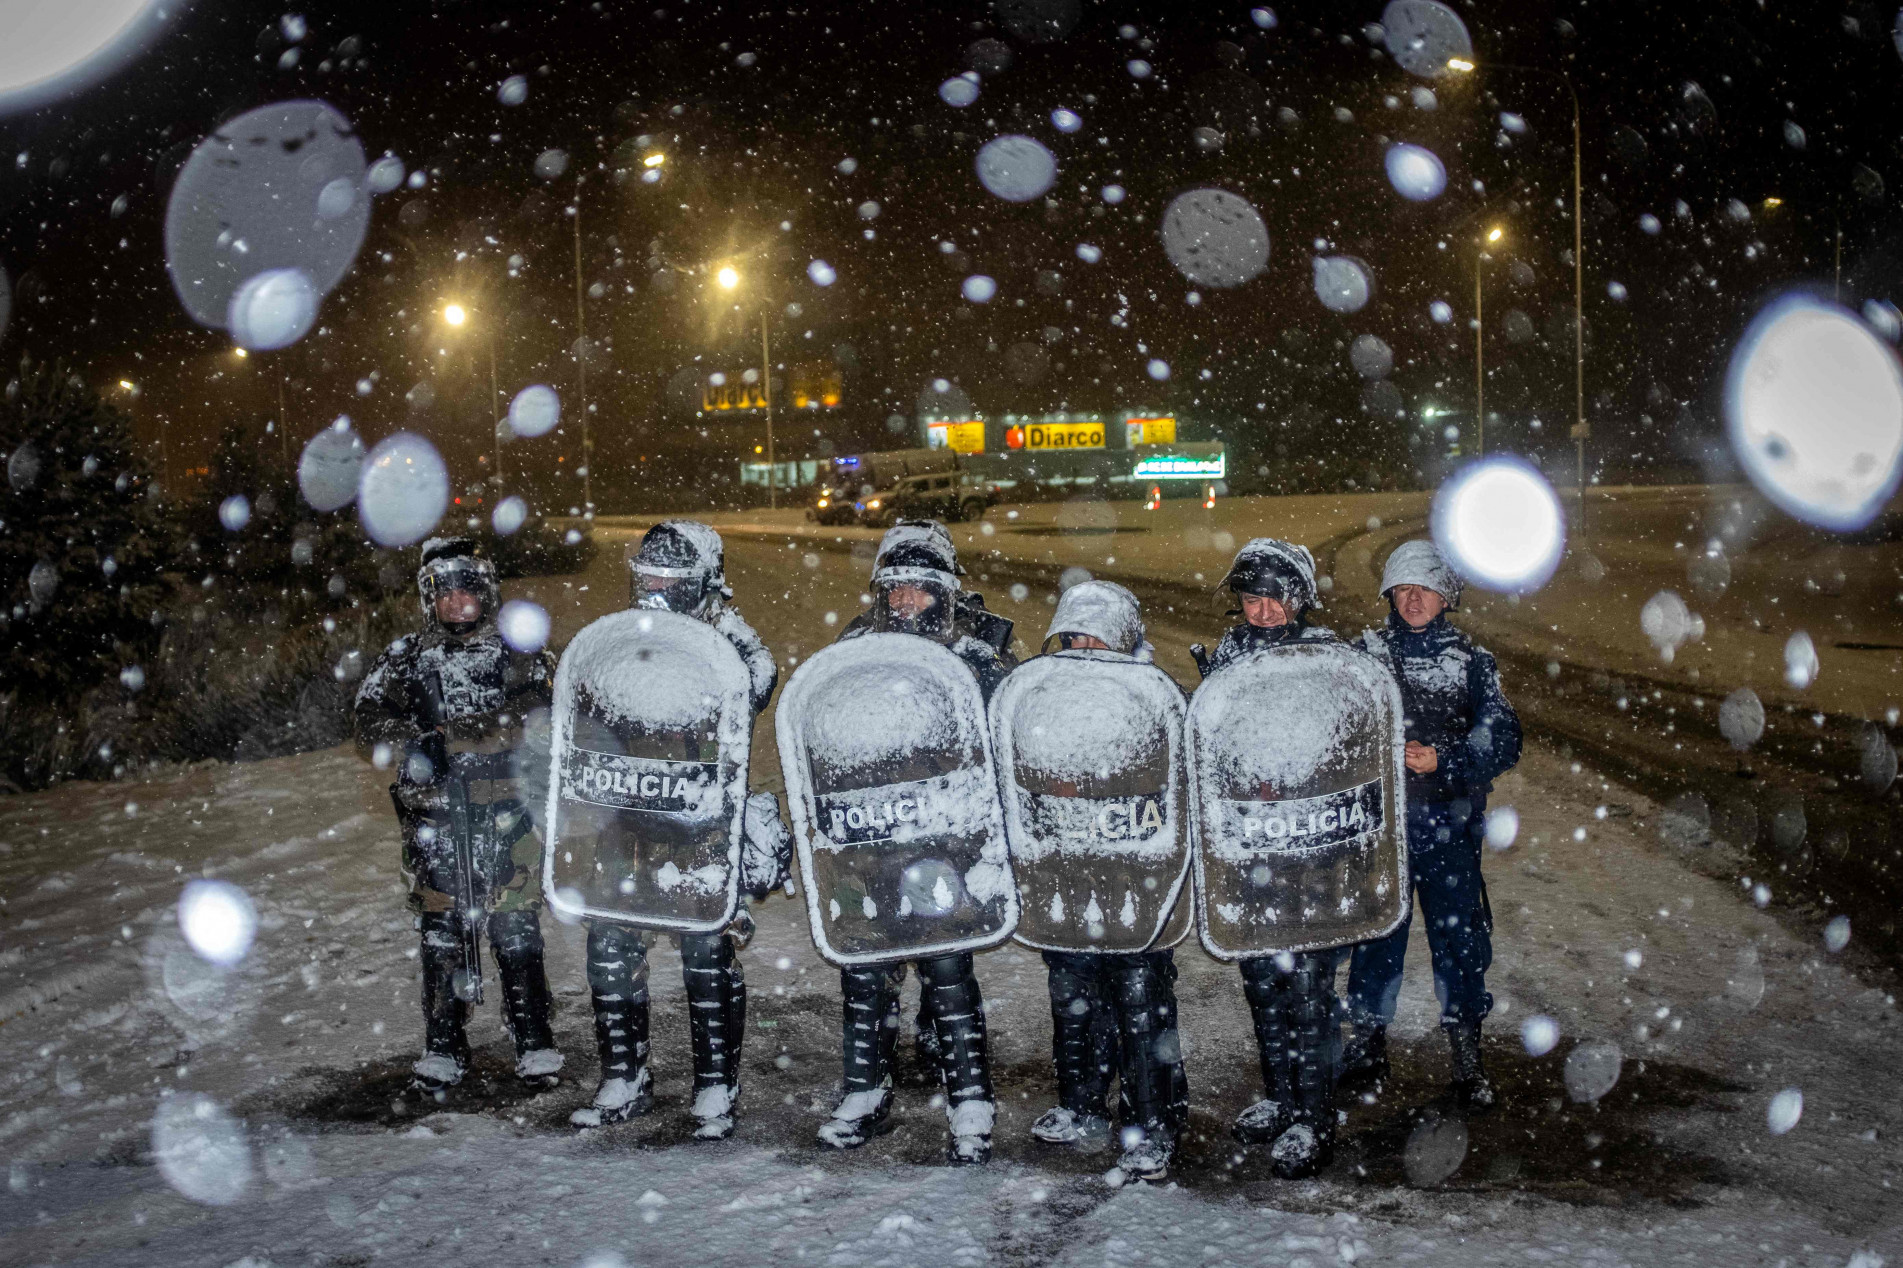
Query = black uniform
x=447 y=707
x=950 y=1004
x=680 y=567
x=1451 y=692
x=1291 y=996
x=1114 y=1012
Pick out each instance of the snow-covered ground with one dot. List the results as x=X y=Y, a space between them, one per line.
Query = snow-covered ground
x=109 y=1023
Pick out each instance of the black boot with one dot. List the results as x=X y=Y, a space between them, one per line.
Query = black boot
x=1268 y=1118
x=1081 y=1116
x=958 y=1014
x=1364 y=1062
x=1155 y=1093
x=618 y=980
x=445 y=1044
x=1307 y=1146
x=1473 y=1091
x=516 y=937
x=869 y=1037
x=716 y=1023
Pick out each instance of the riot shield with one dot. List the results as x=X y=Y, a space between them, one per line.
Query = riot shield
x=651 y=729
x=1299 y=789
x=1091 y=772
x=894 y=800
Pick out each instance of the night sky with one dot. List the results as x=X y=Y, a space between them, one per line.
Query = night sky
x=1693 y=113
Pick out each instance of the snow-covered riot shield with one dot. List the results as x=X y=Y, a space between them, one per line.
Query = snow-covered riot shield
x=894 y=799
x=1096 y=801
x=648 y=774
x=1299 y=789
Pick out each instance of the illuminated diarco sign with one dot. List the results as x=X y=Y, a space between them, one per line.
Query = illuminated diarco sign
x=1181 y=467
x=1149 y=431
x=1049 y=436
x=964 y=436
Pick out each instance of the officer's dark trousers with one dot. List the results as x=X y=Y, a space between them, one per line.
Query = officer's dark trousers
x=871 y=1017
x=516 y=939
x=1292 y=1003
x=1444 y=859
x=716 y=1002
x=1118 y=1012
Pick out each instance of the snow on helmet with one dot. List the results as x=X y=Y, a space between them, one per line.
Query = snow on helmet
x=1419 y=563
x=916 y=555
x=451 y=564
x=1102 y=609
x=1276 y=569
x=919 y=539
x=679 y=565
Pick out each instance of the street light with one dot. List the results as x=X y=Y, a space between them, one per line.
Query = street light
x=1580 y=429
x=457 y=315
x=240 y=353
x=729 y=277
x=654 y=160
x=131 y=390
x=1480 y=331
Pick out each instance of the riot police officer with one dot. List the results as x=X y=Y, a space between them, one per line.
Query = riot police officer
x=916 y=592
x=1114 y=1010
x=1461 y=736
x=1291 y=995
x=680 y=567
x=446 y=706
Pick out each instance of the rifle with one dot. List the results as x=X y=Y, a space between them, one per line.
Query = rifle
x=456 y=785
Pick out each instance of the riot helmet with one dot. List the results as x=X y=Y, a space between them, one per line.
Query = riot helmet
x=679 y=566
x=915 y=591
x=928 y=536
x=1274 y=569
x=1419 y=563
x=1102 y=611
x=451 y=566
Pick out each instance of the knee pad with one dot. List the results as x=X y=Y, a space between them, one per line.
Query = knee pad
x=617 y=960
x=946 y=970
x=516 y=935
x=702 y=951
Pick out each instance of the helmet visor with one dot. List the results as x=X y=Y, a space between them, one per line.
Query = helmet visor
x=675 y=589
x=475 y=576
x=913 y=601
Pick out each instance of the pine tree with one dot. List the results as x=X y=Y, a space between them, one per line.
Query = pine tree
x=83 y=540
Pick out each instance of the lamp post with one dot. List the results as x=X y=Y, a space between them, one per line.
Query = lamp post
x=1480 y=333
x=457 y=315
x=131 y=391
x=1580 y=428
x=729 y=278
x=581 y=371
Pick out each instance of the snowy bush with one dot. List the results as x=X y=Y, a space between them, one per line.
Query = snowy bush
x=83 y=541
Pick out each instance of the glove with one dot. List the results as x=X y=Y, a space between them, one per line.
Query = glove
x=425 y=760
x=766 y=855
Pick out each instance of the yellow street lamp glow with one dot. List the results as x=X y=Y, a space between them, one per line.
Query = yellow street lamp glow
x=654 y=160
x=1460 y=64
x=1774 y=202
x=1496 y=235
x=727 y=278
x=455 y=314
x=127 y=385
x=239 y=353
